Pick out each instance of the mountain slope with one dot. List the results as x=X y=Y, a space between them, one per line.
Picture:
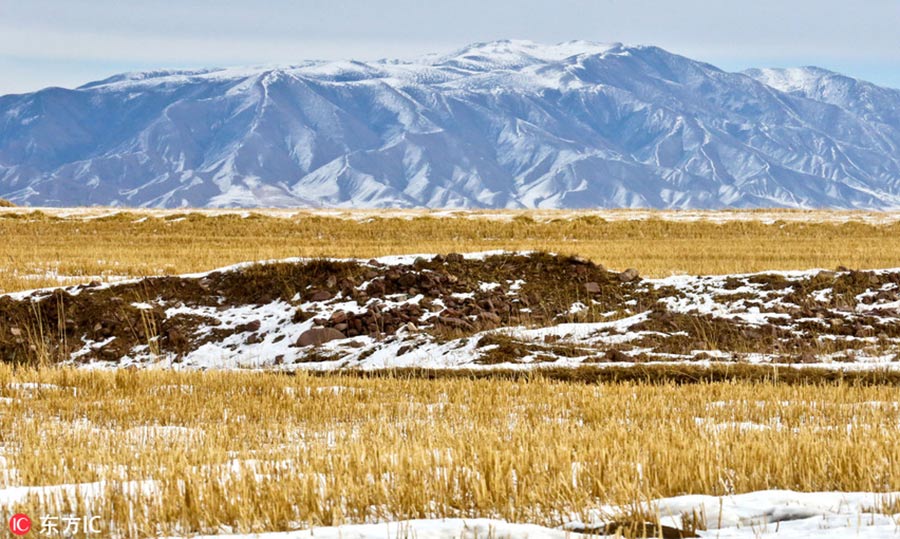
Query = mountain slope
x=500 y=125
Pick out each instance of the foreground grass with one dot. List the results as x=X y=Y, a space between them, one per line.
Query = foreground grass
x=38 y=250
x=191 y=451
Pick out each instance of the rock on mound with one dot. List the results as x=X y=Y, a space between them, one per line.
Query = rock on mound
x=6 y=204
x=454 y=310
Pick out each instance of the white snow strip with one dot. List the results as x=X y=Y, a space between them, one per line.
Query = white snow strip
x=773 y=514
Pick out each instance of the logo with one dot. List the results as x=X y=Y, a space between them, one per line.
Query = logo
x=19 y=524
x=69 y=526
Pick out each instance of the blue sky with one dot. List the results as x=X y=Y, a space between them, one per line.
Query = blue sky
x=70 y=42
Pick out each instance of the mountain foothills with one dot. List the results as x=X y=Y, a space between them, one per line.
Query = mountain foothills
x=506 y=124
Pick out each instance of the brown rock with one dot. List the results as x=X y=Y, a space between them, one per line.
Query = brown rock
x=339 y=317
x=628 y=275
x=107 y=327
x=248 y=327
x=317 y=336
x=321 y=295
x=592 y=288
x=616 y=356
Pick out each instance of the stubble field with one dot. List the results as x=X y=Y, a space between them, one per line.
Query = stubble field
x=162 y=452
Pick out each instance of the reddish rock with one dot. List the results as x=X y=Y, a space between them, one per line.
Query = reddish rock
x=317 y=336
x=248 y=327
x=321 y=295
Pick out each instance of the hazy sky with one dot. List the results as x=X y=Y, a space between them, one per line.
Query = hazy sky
x=70 y=42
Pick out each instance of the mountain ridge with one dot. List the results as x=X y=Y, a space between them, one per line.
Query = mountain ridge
x=504 y=124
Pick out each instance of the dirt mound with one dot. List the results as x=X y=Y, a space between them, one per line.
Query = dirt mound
x=175 y=315
x=6 y=204
x=451 y=311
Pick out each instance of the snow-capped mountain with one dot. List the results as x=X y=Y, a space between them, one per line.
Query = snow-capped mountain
x=506 y=124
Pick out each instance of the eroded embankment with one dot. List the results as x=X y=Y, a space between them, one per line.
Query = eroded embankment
x=499 y=309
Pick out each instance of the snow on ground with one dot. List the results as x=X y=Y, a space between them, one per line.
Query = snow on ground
x=776 y=514
x=453 y=528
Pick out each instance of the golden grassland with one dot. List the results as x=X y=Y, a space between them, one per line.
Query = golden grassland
x=183 y=452
x=39 y=249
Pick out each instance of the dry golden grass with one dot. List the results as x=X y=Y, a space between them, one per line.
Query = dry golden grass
x=258 y=451
x=39 y=249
